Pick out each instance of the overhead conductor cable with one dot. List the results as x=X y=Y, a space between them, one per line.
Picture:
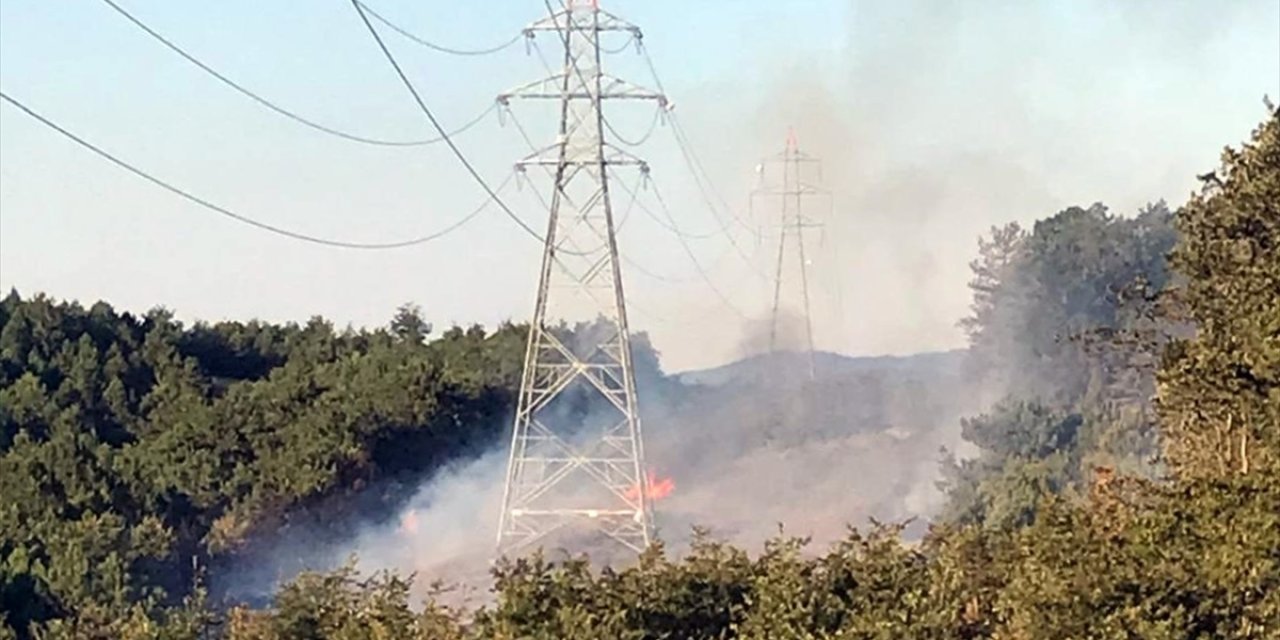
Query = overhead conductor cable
x=281 y=110
x=435 y=123
x=233 y=215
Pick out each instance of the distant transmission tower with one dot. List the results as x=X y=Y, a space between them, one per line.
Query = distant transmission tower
x=791 y=191
x=577 y=456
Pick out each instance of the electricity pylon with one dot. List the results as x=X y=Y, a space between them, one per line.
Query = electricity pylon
x=792 y=192
x=577 y=453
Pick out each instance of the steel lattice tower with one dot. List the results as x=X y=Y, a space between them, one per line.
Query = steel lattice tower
x=577 y=454
x=792 y=192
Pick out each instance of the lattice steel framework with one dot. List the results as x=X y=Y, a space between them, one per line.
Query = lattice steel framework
x=792 y=192
x=577 y=452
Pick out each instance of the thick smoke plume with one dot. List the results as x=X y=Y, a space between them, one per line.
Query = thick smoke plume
x=759 y=444
x=749 y=447
x=931 y=132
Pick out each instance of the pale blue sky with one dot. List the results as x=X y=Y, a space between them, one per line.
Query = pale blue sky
x=937 y=119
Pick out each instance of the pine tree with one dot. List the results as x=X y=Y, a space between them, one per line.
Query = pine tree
x=1219 y=392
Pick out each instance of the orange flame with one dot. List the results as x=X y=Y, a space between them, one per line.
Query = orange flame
x=657 y=489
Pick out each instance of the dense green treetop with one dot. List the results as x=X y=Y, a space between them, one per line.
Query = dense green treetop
x=1220 y=390
x=133 y=448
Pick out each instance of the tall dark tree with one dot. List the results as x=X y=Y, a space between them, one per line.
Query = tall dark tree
x=1047 y=307
x=409 y=325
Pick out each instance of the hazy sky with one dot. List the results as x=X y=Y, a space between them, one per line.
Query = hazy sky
x=937 y=120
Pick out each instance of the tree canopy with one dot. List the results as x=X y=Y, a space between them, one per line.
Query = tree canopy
x=1220 y=389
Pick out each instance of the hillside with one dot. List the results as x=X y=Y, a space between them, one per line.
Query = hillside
x=766 y=367
x=756 y=442
x=832 y=452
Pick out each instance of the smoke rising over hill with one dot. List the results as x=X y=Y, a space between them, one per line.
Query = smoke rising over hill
x=931 y=132
x=750 y=446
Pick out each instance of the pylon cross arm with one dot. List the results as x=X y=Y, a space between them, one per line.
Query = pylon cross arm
x=553 y=87
x=563 y=19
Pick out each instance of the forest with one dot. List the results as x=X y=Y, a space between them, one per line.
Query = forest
x=1126 y=484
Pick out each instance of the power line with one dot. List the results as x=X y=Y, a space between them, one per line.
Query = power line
x=542 y=58
x=695 y=165
x=632 y=203
x=646 y=272
x=622 y=47
x=696 y=168
x=631 y=191
x=691 y=157
x=431 y=45
x=653 y=126
x=572 y=62
x=186 y=195
x=435 y=123
x=662 y=202
x=724 y=227
x=281 y=110
x=542 y=201
x=664 y=224
x=657 y=114
x=670 y=225
x=696 y=264
x=675 y=279
x=673 y=226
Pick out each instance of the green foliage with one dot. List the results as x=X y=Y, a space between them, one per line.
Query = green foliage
x=1191 y=560
x=131 y=447
x=1220 y=390
x=133 y=450
x=342 y=606
x=409 y=325
x=1027 y=452
x=700 y=597
x=868 y=586
x=1041 y=302
x=1036 y=294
